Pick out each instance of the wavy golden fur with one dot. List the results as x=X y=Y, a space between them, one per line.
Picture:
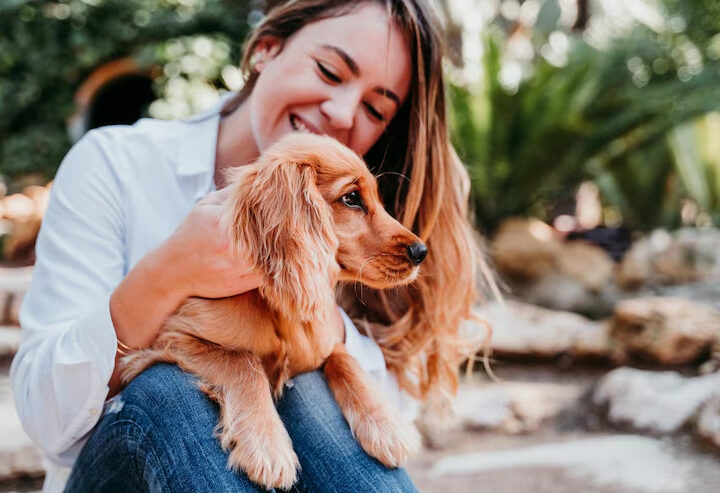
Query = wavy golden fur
x=425 y=186
x=309 y=215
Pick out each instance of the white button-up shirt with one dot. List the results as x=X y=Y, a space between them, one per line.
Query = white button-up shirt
x=119 y=192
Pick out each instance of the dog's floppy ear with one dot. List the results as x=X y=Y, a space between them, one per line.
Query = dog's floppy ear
x=278 y=216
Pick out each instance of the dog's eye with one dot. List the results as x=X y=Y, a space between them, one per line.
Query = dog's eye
x=353 y=199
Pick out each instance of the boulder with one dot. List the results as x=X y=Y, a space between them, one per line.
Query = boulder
x=22 y=215
x=525 y=249
x=9 y=341
x=19 y=457
x=660 y=402
x=687 y=255
x=560 y=291
x=514 y=407
x=521 y=329
x=587 y=263
x=708 y=423
x=664 y=330
x=543 y=269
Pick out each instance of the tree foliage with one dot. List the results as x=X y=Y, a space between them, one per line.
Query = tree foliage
x=48 y=48
x=621 y=115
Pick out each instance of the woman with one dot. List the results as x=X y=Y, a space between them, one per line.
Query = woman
x=132 y=230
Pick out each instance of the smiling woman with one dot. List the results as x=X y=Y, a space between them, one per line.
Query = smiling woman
x=132 y=230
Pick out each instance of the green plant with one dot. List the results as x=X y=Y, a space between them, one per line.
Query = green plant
x=619 y=115
x=48 y=48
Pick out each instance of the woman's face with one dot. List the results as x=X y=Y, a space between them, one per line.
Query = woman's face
x=342 y=76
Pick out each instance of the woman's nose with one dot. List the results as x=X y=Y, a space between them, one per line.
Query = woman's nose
x=340 y=111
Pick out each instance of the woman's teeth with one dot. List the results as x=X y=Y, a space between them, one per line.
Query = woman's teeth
x=298 y=125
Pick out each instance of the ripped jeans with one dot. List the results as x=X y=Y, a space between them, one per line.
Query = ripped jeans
x=157 y=435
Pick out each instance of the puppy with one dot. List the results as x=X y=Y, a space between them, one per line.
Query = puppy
x=309 y=215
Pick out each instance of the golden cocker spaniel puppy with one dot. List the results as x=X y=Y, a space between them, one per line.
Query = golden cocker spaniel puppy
x=309 y=215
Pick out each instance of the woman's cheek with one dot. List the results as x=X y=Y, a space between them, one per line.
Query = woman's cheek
x=364 y=137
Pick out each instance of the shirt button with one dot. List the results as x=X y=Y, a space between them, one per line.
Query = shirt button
x=289 y=384
x=94 y=411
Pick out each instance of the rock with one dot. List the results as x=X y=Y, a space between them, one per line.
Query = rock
x=706 y=292
x=586 y=263
x=542 y=269
x=687 y=255
x=24 y=212
x=9 y=341
x=19 y=247
x=523 y=329
x=15 y=279
x=14 y=282
x=18 y=456
x=17 y=206
x=559 y=291
x=514 y=407
x=660 y=402
x=708 y=423
x=485 y=407
x=665 y=330
x=39 y=196
x=593 y=464
x=525 y=249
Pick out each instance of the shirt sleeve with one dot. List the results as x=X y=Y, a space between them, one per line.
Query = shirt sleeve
x=61 y=371
x=370 y=357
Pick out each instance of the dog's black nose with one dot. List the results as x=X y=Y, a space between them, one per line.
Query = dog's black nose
x=417 y=252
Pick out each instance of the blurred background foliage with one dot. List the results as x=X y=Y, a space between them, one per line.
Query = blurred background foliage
x=626 y=99
x=545 y=94
x=49 y=48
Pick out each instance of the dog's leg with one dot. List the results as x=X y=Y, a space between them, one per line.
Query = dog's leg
x=250 y=427
x=379 y=428
x=137 y=362
x=249 y=423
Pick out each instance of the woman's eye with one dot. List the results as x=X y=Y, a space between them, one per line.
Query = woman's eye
x=327 y=73
x=352 y=199
x=374 y=113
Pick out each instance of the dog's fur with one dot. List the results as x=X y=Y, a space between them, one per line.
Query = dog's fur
x=292 y=213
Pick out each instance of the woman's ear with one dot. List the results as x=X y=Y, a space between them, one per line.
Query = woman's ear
x=278 y=216
x=266 y=49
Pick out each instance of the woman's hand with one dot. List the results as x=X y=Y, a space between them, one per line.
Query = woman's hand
x=199 y=256
x=196 y=260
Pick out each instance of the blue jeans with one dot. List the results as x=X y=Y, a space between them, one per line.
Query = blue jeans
x=157 y=435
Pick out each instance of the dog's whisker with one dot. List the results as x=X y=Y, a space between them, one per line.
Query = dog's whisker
x=358 y=280
x=401 y=175
x=360 y=296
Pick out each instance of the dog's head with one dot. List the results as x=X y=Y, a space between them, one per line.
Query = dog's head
x=309 y=213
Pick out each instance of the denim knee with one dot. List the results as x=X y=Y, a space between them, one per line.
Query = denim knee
x=330 y=457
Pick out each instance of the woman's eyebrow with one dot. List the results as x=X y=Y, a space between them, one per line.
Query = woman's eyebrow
x=356 y=72
x=387 y=93
x=346 y=58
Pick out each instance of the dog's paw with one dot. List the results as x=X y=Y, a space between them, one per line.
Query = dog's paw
x=268 y=460
x=387 y=436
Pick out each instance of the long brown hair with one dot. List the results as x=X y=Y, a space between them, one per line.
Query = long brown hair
x=425 y=186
